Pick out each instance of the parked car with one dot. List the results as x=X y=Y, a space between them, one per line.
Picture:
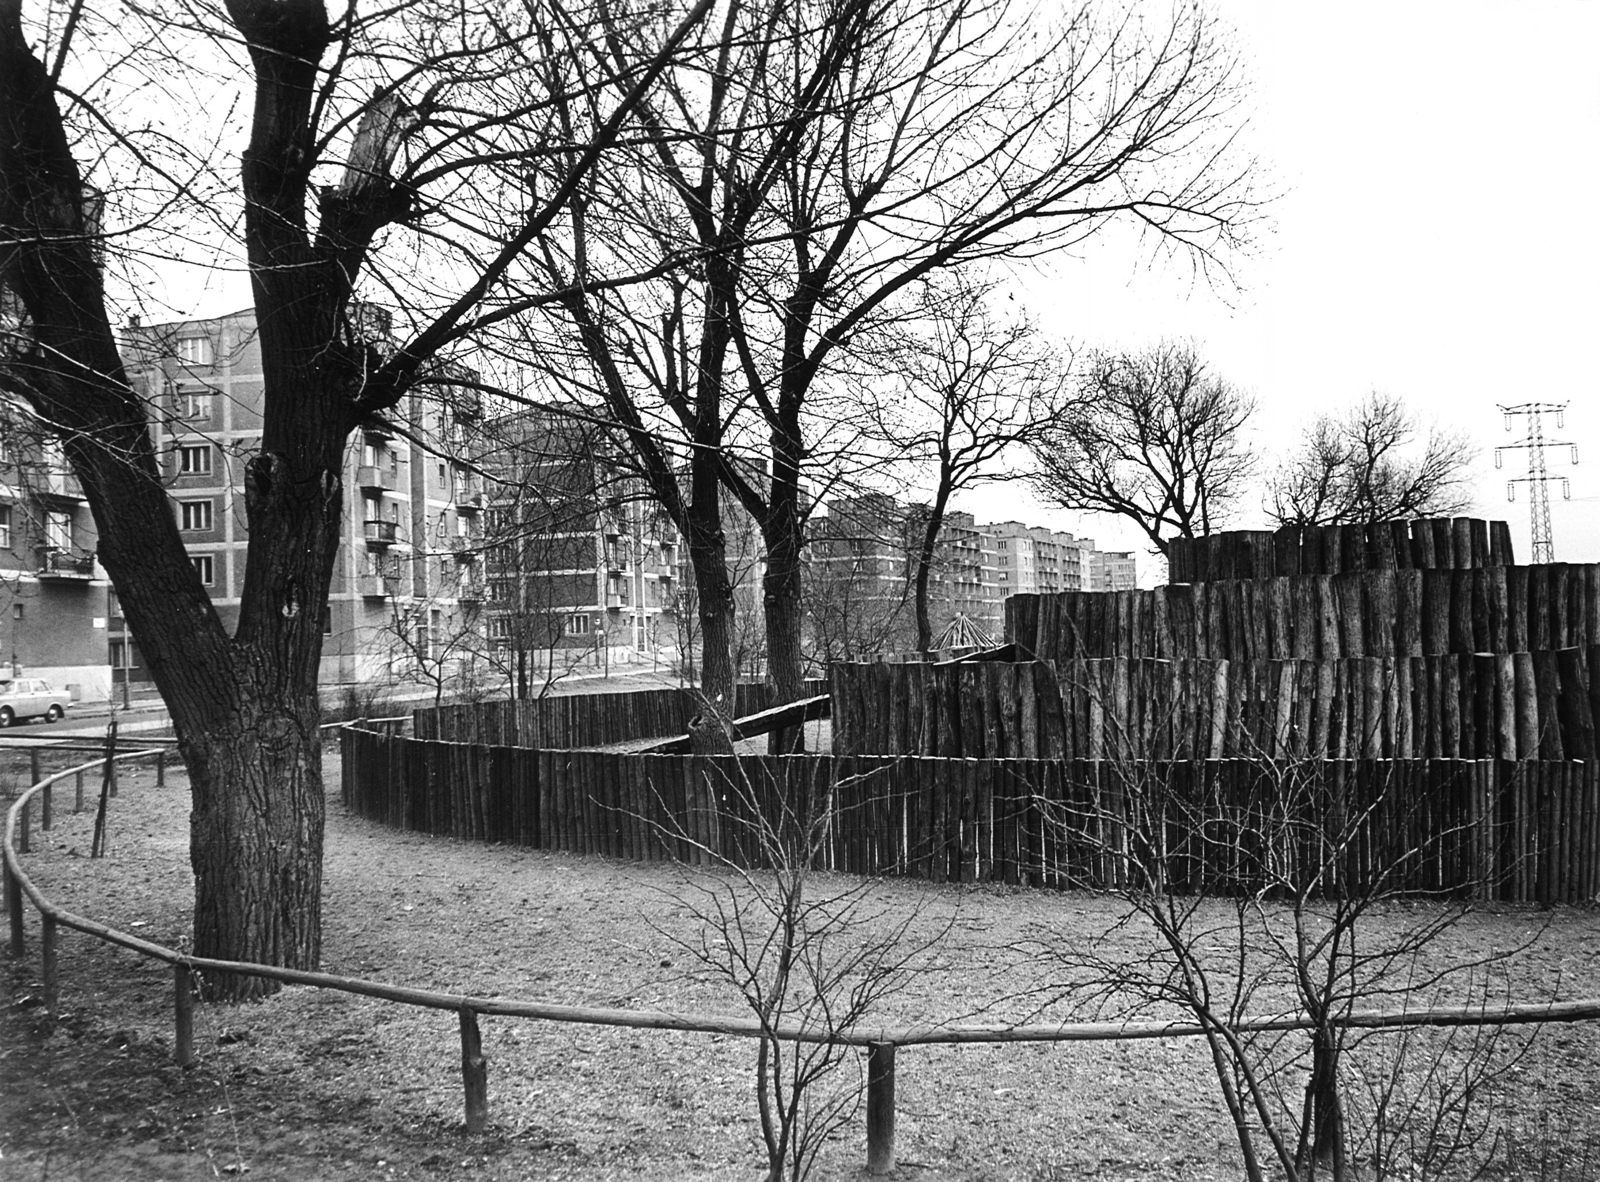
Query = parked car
x=29 y=697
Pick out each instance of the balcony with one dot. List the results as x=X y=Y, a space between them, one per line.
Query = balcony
x=467 y=405
x=374 y=479
x=56 y=563
x=382 y=533
x=377 y=432
x=470 y=591
x=469 y=496
x=58 y=489
x=372 y=586
x=465 y=549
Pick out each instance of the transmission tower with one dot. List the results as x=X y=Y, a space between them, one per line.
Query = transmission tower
x=1537 y=481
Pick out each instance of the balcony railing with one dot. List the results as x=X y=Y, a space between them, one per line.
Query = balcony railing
x=382 y=533
x=465 y=549
x=65 y=564
x=372 y=586
x=470 y=591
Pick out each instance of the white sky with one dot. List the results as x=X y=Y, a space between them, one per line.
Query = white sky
x=1437 y=237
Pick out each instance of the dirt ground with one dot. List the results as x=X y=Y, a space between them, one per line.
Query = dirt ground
x=323 y=1085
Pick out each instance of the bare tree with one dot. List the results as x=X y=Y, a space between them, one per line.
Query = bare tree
x=1367 y=465
x=848 y=151
x=1267 y=885
x=806 y=953
x=1153 y=437
x=971 y=389
x=403 y=152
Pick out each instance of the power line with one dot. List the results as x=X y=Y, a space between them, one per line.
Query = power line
x=1537 y=480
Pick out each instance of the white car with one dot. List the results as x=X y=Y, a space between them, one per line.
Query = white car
x=29 y=697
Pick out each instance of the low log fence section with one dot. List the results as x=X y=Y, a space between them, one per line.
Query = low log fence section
x=1518 y=831
x=1375 y=613
x=1543 y=705
x=580 y=720
x=1442 y=543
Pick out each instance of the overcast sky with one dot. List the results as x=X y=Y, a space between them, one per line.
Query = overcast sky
x=1437 y=237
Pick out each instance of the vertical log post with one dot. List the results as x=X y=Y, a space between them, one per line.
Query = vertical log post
x=474 y=1072
x=183 y=1014
x=77 y=802
x=24 y=824
x=33 y=766
x=880 y=1108
x=14 y=911
x=48 y=968
x=46 y=807
x=161 y=768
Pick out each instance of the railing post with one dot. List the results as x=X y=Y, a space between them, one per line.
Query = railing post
x=474 y=1072
x=46 y=806
x=33 y=765
x=183 y=1014
x=77 y=802
x=14 y=910
x=24 y=821
x=161 y=767
x=880 y=1108
x=47 y=963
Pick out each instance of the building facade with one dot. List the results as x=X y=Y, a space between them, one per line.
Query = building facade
x=582 y=570
x=403 y=579
x=54 y=597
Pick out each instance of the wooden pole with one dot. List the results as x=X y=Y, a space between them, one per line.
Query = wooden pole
x=880 y=1108
x=24 y=823
x=161 y=768
x=14 y=910
x=77 y=803
x=474 y=1072
x=47 y=964
x=183 y=1014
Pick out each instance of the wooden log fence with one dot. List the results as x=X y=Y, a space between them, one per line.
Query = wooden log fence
x=1526 y=831
x=1543 y=705
x=1369 y=613
x=1460 y=543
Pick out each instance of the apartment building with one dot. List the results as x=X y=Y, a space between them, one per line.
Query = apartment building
x=54 y=596
x=582 y=569
x=1112 y=571
x=862 y=558
x=1031 y=559
x=404 y=577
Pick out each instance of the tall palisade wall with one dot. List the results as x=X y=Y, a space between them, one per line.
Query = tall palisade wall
x=1401 y=640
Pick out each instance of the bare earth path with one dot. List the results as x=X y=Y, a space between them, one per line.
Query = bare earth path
x=313 y=1085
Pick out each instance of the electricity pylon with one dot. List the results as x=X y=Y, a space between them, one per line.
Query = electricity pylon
x=1538 y=482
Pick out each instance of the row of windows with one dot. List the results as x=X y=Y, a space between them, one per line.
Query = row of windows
x=57 y=529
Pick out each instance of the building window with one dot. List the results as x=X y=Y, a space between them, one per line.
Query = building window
x=499 y=591
x=58 y=530
x=5 y=527
x=205 y=568
x=194 y=461
x=499 y=627
x=191 y=404
x=196 y=515
x=577 y=625
x=194 y=350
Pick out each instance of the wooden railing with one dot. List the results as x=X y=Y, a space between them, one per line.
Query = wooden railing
x=879 y=1041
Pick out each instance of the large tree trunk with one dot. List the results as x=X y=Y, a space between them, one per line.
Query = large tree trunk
x=927 y=547
x=783 y=590
x=715 y=605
